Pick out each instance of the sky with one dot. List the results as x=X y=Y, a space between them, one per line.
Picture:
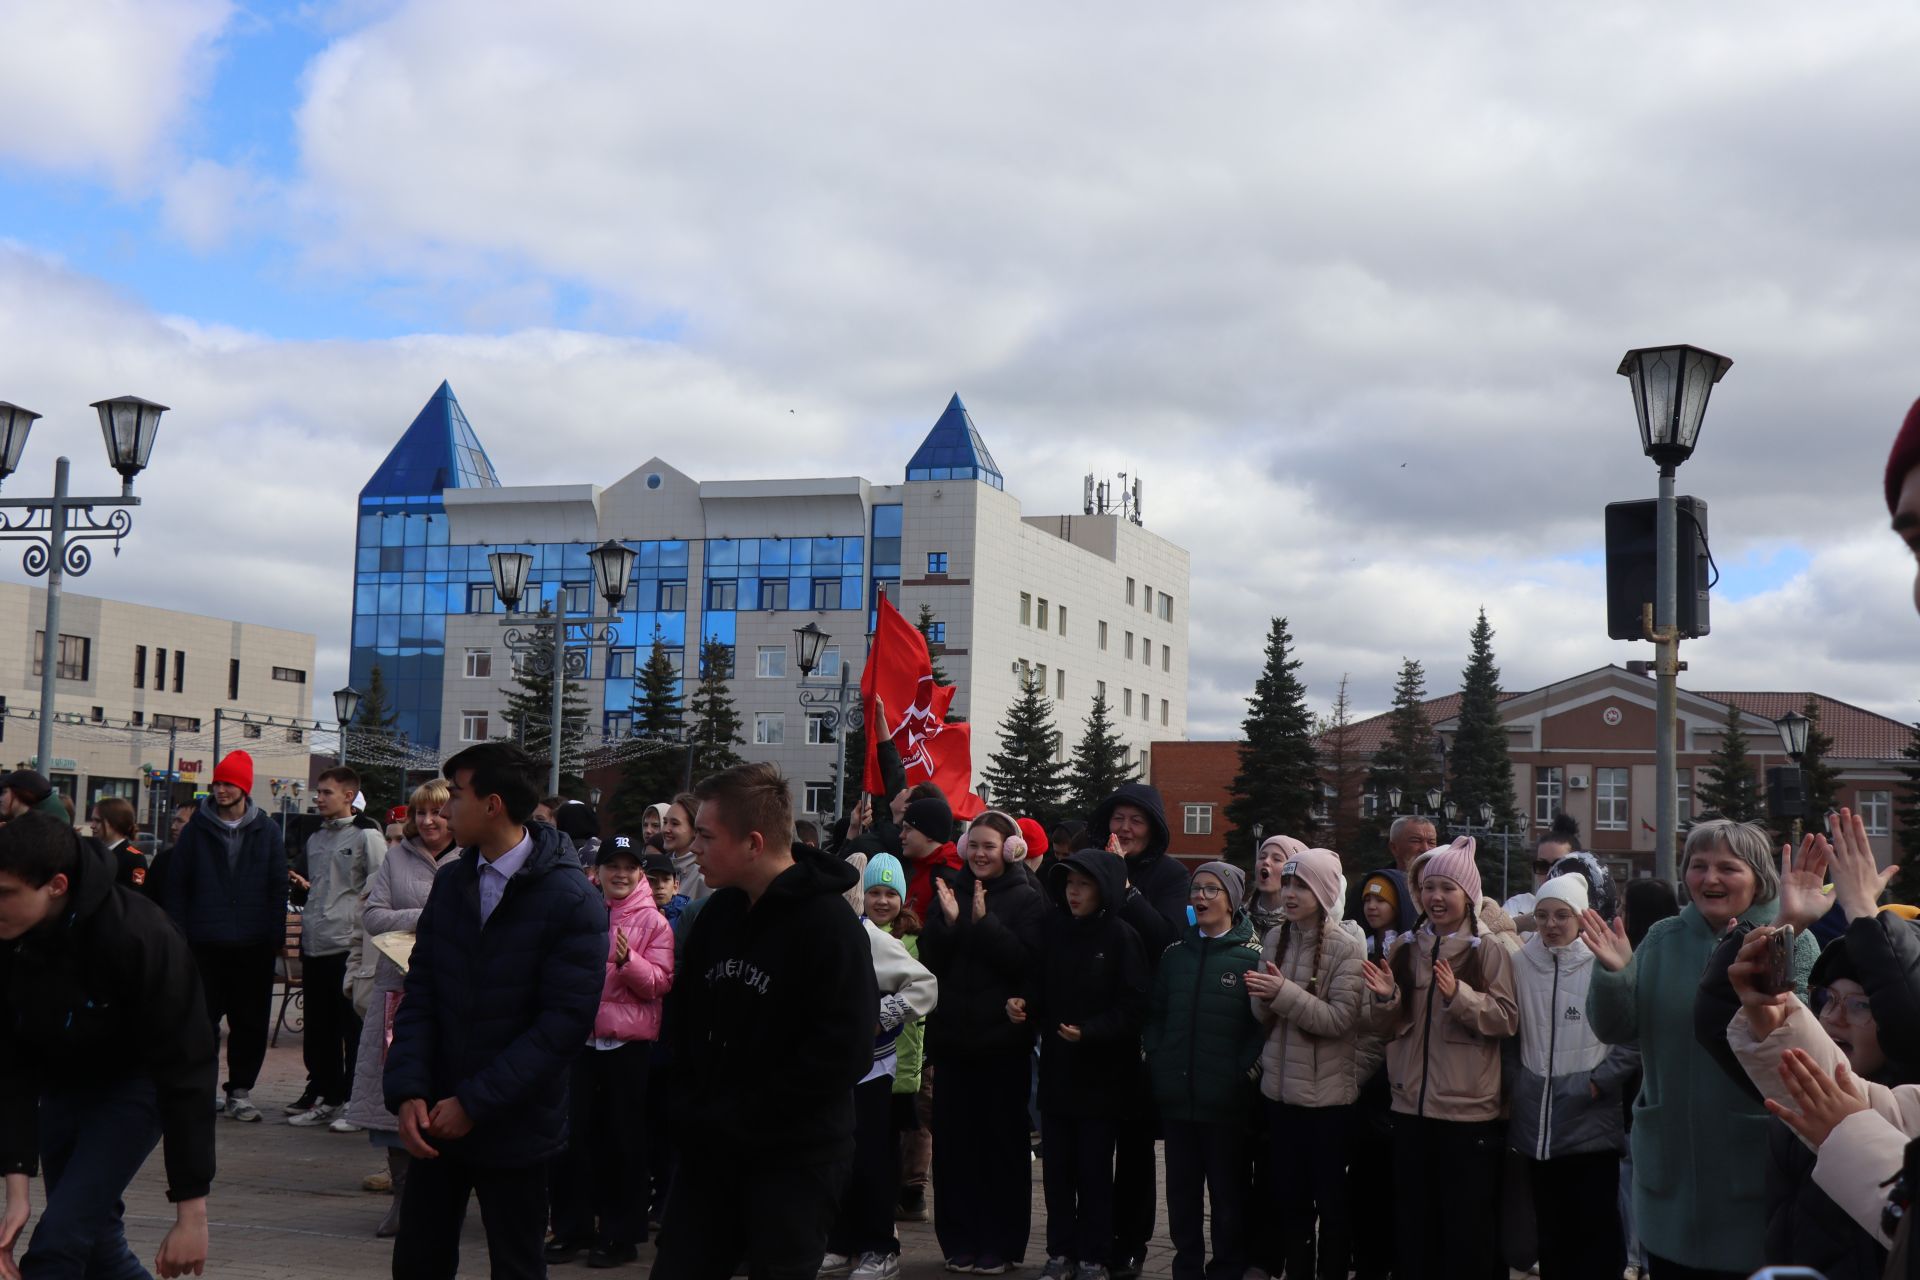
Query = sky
x=1346 y=284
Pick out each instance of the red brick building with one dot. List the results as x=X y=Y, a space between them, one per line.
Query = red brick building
x=1584 y=746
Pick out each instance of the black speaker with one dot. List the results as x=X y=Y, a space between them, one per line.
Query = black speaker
x=1786 y=791
x=1631 y=538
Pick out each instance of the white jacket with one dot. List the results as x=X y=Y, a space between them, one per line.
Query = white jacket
x=1565 y=1098
x=908 y=993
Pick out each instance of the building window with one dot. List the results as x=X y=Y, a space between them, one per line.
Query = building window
x=1370 y=804
x=473 y=726
x=580 y=599
x=1549 y=794
x=1146 y=706
x=829 y=662
x=826 y=593
x=770 y=663
x=1126 y=703
x=292 y=675
x=936 y=633
x=723 y=594
x=1129 y=590
x=1100 y=690
x=1063 y=619
x=1026 y=609
x=727 y=657
x=1198 y=819
x=1165 y=711
x=773 y=594
x=247 y=730
x=74 y=659
x=937 y=562
x=619 y=664
x=769 y=729
x=1103 y=637
x=139 y=661
x=233 y=680
x=99 y=714
x=296 y=736
x=1143 y=762
x=179 y=670
x=1609 y=799
x=1323 y=803
x=1166 y=607
x=1040 y=619
x=1129 y=646
x=819 y=728
x=1146 y=599
x=1040 y=677
x=673 y=597
x=479 y=598
x=619 y=724
x=139 y=717
x=1166 y=657
x=159 y=670
x=1876 y=809
x=180 y=724
x=819 y=797
x=1146 y=651
x=1683 y=810
x=1060 y=684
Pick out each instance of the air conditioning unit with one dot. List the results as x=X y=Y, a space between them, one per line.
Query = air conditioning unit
x=1577 y=782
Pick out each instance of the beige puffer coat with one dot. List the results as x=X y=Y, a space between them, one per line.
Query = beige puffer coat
x=1446 y=1065
x=1313 y=1029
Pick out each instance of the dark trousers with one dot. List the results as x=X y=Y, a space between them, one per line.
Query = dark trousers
x=1134 y=1201
x=1370 y=1181
x=513 y=1208
x=92 y=1142
x=1577 y=1226
x=1661 y=1269
x=602 y=1175
x=1446 y=1176
x=1310 y=1179
x=1209 y=1159
x=726 y=1207
x=982 y=1165
x=1077 y=1173
x=238 y=982
x=660 y=1095
x=330 y=1045
x=865 y=1223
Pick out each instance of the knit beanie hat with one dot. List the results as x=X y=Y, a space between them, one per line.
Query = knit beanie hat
x=931 y=817
x=1455 y=863
x=1905 y=456
x=1319 y=870
x=1570 y=888
x=885 y=872
x=1378 y=886
x=236 y=768
x=1289 y=847
x=1232 y=878
x=1035 y=835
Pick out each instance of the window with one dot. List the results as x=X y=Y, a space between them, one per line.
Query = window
x=1100 y=689
x=139 y=717
x=179 y=670
x=160 y=669
x=1040 y=618
x=580 y=599
x=773 y=594
x=936 y=633
x=723 y=594
x=826 y=593
x=99 y=714
x=1063 y=619
x=473 y=726
x=74 y=658
x=139 y=661
x=819 y=728
x=1370 y=804
x=1323 y=803
x=1166 y=607
x=183 y=724
x=1103 y=636
x=1683 y=783
x=1198 y=819
x=1876 y=809
x=1129 y=590
x=1060 y=684
x=1129 y=646
x=1126 y=702
x=249 y=730
x=619 y=664
x=770 y=663
x=233 y=680
x=936 y=562
x=1146 y=599
x=819 y=797
x=769 y=729
x=1166 y=657
x=1146 y=706
x=479 y=598
x=292 y=675
x=1609 y=799
x=1549 y=793
x=1164 y=711
x=296 y=736
x=1143 y=762
x=1040 y=677
x=1059 y=747
x=829 y=662
x=1026 y=609
x=619 y=724
x=1146 y=651
x=673 y=597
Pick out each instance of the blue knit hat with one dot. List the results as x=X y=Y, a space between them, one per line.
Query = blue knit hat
x=885 y=871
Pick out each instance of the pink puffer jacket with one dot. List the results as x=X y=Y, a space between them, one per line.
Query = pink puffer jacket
x=630 y=1002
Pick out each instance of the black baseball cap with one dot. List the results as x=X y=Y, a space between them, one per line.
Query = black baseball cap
x=31 y=786
x=624 y=845
x=659 y=864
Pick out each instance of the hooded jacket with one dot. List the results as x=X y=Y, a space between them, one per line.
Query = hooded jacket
x=1092 y=974
x=1161 y=880
x=494 y=1013
x=1443 y=1056
x=1311 y=1056
x=632 y=994
x=1561 y=1064
x=107 y=992
x=1202 y=1039
x=772 y=1016
x=982 y=964
x=341 y=858
x=908 y=993
x=227 y=886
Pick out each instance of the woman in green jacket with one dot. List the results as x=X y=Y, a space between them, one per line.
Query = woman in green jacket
x=1699 y=1140
x=1202 y=1044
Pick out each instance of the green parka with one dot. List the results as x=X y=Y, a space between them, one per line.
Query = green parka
x=1202 y=1040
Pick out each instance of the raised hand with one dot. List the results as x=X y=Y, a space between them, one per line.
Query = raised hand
x=949 y=905
x=1823 y=1100
x=1611 y=950
x=1802 y=880
x=1443 y=979
x=979 y=899
x=1265 y=982
x=1858 y=880
x=620 y=949
x=1379 y=978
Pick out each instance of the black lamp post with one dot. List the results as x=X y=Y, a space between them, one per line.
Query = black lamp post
x=612 y=567
x=807 y=643
x=838 y=706
x=346 y=702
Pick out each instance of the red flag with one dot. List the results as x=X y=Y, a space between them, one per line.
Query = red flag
x=900 y=672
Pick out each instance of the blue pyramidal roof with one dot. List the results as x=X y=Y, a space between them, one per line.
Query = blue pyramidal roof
x=439 y=451
x=953 y=450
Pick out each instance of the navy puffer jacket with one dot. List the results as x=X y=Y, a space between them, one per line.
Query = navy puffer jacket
x=228 y=887
x=494 y=1015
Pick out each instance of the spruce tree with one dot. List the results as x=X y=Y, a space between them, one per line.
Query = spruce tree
x=715 y=722
x=1906 y=824
x=1279 y=777
x=1818 y=779
x=372 y=749
x=1100 y=762
x=652 y=770
x=924 y=624
x=1733 y=792
x=529 y=716
x=1341 y=771
x=1024 y=776
x=1405 y=761
x=1482 y=770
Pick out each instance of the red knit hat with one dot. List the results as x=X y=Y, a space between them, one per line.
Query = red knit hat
x=236 y=768
x=1035 y=835
x=1905 y=456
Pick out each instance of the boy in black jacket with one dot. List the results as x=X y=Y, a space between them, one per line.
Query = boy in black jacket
x=1088 y=1001
x=108 y=1050
x=771 y=1023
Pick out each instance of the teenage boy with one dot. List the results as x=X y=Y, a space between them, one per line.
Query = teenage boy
x=926 y=846
x=108 y=1050
x=24 y=791
x=226 y=887
x=772 y=1024
x=502 y=988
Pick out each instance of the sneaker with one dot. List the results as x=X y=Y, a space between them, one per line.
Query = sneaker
x=989 y=1265
x=1058 y=1268
x=240 y=1107
x=322 y=1113
x=1091 y=1271
x=912 y=1206
x=877 y=1266
x=343 y=1125
x=612 y=1255
x=302 y=1103
x=378 y=1183
x=835 y=1264
x=961 y=1264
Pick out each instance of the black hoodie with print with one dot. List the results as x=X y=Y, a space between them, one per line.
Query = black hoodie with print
x=1092 y=974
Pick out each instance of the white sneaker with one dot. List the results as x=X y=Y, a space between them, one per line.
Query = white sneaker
x=835 y=1264
x=240 y=1107
x=343 y=1125
x=319 y=1114
x=877 y=1266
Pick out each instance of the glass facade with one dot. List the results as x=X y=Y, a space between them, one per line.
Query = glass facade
x=953 y=450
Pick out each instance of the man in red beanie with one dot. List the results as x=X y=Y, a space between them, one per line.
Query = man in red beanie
x=226 y=887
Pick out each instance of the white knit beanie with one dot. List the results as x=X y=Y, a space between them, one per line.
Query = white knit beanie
x=1570 y=889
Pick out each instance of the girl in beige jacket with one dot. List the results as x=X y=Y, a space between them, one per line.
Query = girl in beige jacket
x=1309 y=993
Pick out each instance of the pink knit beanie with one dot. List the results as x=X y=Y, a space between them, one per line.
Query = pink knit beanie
x=1319 y=870
x=1455 y=863
x=1288 y=846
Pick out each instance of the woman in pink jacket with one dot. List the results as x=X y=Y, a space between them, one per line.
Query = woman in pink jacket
x=598 y=1188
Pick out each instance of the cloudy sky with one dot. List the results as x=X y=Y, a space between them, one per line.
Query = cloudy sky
x=1346 y=283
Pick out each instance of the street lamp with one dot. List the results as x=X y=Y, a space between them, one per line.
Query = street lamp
x=807 y=643
x=510 y=569
x=57 y=529
x=1394 y=796
x=1671 y=386
x=1434 y=796
x=346 y=701
x=841 y=703
x=612 y=567
x=1793 y=734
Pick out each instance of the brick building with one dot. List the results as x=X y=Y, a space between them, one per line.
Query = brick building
x=1584 y=746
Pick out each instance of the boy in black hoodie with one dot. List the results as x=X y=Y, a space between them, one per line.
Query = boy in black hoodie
x=771 y=1022
x=1088 y=1001
x=108 y=1051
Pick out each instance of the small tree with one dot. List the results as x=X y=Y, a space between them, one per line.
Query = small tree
x=652 y=771
x=1279 y=777
x=1733 y=791
x=529 y=714
x=371 y=747
x=1405 y=761
x=924 y=624
x=716 y=723
x=1340 y=773
x=1100 y=762
x=1482 y=770
x=1906 y=823
x=1025 y=775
